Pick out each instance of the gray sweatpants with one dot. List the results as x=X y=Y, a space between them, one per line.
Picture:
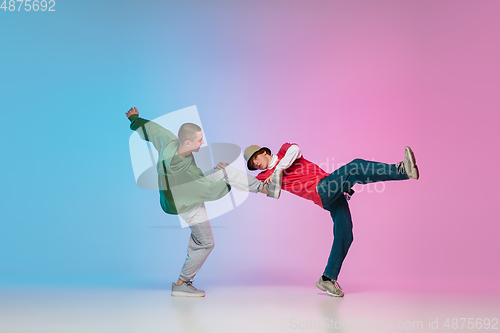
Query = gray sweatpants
x=201 y=241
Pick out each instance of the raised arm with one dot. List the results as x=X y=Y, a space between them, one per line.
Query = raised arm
x=164 y=141
x=149 y=130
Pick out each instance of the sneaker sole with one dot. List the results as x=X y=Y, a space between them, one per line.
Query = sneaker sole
x=334 y=295
x=184 y=294
x=413 y=161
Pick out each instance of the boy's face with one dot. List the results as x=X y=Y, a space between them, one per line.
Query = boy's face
x=196 y=144
x=260 y=161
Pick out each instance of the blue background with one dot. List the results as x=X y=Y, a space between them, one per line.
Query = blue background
x=71 y=213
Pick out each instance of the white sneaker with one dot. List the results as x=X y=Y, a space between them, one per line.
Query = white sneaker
x=410 y=164
x=186 y=289
x=331 y=287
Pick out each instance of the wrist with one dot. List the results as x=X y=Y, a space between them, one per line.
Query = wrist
x=133 y=117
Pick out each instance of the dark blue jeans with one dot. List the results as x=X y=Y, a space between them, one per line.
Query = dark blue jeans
x=331 y=191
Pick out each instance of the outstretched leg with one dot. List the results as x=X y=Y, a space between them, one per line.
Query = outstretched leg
x=236 y=178
x=359 y=171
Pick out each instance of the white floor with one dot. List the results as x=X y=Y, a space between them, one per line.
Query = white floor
x=241 y=309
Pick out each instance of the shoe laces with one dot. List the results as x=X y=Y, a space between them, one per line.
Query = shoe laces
x=190 y=284
x=401 y=167
x=336 y=284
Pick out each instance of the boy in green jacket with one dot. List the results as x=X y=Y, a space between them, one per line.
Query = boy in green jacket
x=184 y=189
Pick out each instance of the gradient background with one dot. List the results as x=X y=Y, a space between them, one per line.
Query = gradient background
x=343 y=79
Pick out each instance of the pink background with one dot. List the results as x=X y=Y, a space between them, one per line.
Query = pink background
x=363 y=79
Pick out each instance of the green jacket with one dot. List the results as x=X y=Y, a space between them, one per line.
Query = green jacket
x=182 y=184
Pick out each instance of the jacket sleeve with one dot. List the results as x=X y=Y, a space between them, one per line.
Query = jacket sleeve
x=150 y=131
x=292 y=153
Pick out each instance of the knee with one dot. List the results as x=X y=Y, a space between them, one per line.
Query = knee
x=355 y=167
x=209 y=244
x=202 y=243
x=205 y=247
x=356 y=162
